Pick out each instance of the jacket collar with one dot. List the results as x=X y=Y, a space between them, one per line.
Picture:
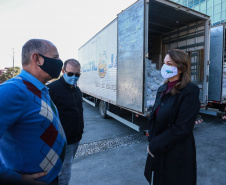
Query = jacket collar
x=162 y=88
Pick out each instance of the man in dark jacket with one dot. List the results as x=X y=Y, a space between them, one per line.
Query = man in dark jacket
x=67 y=97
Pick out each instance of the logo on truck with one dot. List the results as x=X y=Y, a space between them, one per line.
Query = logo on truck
x=102 y=65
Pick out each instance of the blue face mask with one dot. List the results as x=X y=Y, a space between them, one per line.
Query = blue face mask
x=70 y=79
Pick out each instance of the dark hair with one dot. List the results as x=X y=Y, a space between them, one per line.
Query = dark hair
x=183 y=62
x=71 y=61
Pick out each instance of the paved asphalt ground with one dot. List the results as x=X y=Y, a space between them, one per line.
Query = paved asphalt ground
x=111 y=153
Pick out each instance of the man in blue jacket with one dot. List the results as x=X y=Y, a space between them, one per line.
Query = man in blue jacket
x=67 y=97
x=32 y=140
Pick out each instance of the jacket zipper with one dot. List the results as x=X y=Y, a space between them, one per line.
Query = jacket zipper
x=74 y=97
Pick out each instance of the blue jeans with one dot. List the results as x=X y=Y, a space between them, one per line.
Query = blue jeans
x=65 y=173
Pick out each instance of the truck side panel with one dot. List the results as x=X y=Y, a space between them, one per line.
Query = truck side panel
x=131 y=57
x=98 y=58
x=224 y=67
x=215 y=69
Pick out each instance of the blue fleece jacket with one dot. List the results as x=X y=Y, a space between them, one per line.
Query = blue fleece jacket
x=31 y=136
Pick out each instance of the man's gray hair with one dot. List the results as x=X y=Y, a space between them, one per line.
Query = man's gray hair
x=33 y=46
x=71 y=61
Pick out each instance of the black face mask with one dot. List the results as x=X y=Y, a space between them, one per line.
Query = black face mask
x=51 y=66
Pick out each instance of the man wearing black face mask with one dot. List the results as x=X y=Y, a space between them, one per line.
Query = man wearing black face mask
x=33 y=143
x=68 y=99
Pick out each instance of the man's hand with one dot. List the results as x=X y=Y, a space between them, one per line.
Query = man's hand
x=31 y=178
x=149 y=151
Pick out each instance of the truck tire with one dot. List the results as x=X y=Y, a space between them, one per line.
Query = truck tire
x=103 y=109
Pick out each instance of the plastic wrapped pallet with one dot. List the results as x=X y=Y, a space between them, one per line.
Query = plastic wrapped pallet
x=154 y=80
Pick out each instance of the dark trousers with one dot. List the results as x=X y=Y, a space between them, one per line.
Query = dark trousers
x=54 y=182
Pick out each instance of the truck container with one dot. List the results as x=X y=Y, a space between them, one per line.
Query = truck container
x=217 y=73
x=121 y=64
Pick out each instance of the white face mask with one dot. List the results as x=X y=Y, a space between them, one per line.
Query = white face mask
x=168 y=71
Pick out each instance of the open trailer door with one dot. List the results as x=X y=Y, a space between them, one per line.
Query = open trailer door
x=130 y=88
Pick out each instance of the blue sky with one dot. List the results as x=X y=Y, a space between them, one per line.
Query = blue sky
x=66 y=23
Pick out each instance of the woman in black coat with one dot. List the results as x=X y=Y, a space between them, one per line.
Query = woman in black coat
x=171 y=151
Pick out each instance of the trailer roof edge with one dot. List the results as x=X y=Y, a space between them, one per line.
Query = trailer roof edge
x=184 y=8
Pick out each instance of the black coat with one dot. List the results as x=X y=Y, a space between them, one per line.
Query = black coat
x=171 y=138
x=69 y=104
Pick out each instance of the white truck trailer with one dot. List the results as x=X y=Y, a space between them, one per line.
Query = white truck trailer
x=217 y=73
x=121 y=63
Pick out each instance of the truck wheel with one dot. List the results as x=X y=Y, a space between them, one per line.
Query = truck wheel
x=102 y=109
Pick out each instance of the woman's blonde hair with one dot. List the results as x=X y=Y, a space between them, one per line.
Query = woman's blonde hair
x=183 y=62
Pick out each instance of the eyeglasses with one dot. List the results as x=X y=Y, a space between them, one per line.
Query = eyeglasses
x=71 y=74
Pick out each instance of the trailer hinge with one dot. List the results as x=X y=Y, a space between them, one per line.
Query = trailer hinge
x=147 y=1
x=208 y=62
x=207 y=78
x=146 y=55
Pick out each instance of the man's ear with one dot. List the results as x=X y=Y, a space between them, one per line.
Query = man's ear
x=36 y=58
x=62 y=70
